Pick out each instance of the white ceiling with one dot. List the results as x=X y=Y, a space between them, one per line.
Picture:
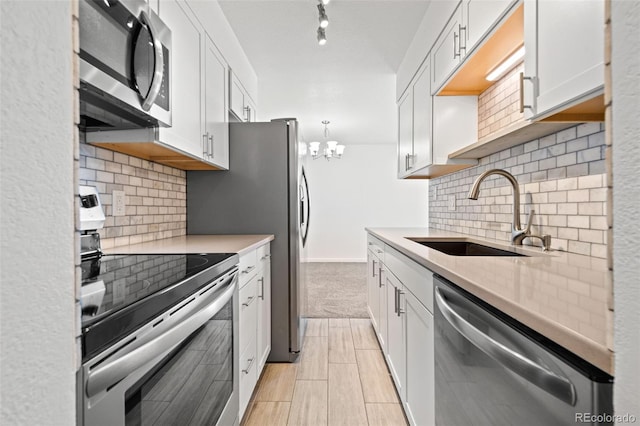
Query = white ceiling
x=349 y=81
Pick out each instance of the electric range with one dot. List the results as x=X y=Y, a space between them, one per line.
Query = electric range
x=122 y=292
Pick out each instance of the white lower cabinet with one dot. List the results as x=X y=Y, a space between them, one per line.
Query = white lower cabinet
x=255 y=320
x=396 y=351
x=264 y=306
x=373 y=289
x=405 y=330
x=248 y=375
x=419 y=387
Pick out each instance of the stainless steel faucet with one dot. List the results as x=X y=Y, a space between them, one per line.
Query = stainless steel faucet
x=517 y=232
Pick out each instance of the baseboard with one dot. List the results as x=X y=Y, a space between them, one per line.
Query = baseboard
x=335 y=260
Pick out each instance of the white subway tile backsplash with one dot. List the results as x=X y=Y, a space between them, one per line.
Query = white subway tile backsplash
x=155 y=196
x=559 y=177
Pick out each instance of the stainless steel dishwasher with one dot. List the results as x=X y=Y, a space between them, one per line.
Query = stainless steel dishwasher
x=492 y=370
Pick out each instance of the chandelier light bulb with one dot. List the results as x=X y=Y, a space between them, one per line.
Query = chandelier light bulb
x=325 y=2
x=314 y=148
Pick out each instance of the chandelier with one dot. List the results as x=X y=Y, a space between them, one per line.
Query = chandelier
x=331 y=149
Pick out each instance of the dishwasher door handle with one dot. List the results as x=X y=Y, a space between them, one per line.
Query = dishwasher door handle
x=547 y=380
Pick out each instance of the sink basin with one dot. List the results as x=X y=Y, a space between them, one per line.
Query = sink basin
x=465 y=248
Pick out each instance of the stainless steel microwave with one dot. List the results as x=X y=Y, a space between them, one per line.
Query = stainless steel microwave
x=125 y=66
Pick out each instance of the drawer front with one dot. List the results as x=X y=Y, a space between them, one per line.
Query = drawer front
x=248 y=313
x=416 y=278
x=248 y=267
x=376 y=246
x=263 y=255
x=248 y=375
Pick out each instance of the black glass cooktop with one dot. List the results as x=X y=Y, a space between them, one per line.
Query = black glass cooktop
x=120 y=293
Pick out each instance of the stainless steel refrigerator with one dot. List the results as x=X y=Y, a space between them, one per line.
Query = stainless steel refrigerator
x=263 y=192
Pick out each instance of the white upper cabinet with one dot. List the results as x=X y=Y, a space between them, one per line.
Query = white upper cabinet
x=185 y=132
x=415 y=116
x=240 y=103
x=422 y=118
x=405 y=133
x=564 y=59
x=215 y=120
x=479 y=17
x=430 y=127
x=199 y=88
x=448 y=50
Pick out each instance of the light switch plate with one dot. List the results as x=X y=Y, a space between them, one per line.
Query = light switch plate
x=118 y=203
x=451 y=204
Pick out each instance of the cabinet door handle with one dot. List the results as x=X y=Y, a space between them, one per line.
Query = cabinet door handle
x=211 y=153
x=261 y=295
x=395 y=300
x=266 y=256
x=250 y=300
x=461 y=47
x=247 y=112
x=246 y=370
x=380 y=271
x=456 y=52
x=522 y=105
x=400 y=311
x=373 y=268
x=205 y=146
x=249 y=269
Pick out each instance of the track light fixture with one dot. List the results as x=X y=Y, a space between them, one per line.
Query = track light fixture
x=323 y=21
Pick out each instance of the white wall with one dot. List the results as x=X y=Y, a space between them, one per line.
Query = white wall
x=360 y=190
x=625 y=63
x=37 y=310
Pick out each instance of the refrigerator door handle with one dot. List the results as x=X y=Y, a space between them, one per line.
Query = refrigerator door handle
x=305 y=207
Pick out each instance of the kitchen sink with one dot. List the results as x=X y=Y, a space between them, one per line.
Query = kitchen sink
x=466 y=248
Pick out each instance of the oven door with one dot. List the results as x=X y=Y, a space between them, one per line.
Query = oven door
x=124 y=63
x=178 y=369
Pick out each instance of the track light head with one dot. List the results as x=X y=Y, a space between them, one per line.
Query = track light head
x=322 y=16
x=322 y=38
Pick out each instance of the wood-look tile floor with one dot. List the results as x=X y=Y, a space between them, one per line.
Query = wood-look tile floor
x=340 y=378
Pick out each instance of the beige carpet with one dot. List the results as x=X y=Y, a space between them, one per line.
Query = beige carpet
x=336 y=290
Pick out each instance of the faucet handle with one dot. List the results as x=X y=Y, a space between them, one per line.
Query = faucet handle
x=527 y=230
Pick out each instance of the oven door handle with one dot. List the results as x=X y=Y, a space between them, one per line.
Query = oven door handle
x=531 y=371
x=110 y=373
x=158 y=72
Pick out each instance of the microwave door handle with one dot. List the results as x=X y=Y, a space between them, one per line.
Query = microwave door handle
x=158 y=73
x=112 y=372
x=531 y=371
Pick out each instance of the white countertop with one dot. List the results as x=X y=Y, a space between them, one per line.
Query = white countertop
x=196 y=244
x=563 y=296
